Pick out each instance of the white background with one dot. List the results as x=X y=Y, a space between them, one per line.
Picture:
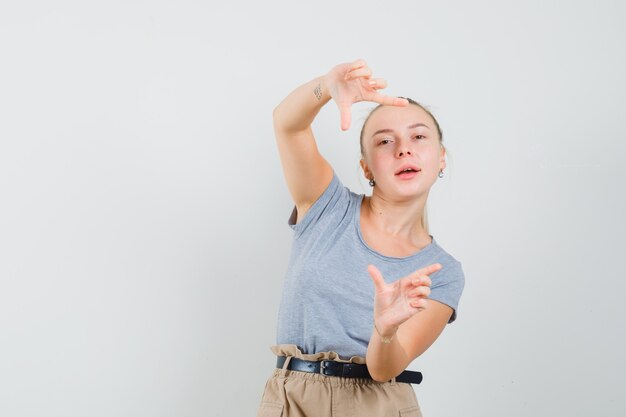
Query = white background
x=143 y=235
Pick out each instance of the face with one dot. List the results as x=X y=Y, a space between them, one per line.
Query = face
x=402 y=152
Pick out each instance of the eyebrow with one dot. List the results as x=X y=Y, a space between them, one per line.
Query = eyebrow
x=413 y=126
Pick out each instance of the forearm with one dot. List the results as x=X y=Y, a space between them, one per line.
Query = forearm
x=385 y=360
x=298 y=110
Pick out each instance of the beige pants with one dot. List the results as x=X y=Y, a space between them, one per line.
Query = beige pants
x=304 y=394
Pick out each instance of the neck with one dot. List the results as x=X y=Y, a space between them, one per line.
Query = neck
x=397 y=218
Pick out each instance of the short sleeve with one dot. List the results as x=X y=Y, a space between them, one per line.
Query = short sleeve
x=447 y=286
x=335 y=198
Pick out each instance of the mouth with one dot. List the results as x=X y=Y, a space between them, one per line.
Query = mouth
x=408 y=171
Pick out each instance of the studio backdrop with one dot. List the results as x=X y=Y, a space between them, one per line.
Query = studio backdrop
x=143 y=212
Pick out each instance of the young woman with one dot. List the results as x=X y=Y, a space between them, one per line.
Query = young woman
x=368 y=289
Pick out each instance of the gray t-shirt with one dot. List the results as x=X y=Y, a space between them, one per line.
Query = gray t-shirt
x=328 y=296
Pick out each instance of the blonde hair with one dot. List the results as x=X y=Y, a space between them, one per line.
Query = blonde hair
x=424 y=218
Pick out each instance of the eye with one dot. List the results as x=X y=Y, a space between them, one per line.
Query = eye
x=384 y=141
x=419 y=137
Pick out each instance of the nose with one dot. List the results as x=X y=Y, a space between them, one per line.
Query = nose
x=403 y=151
x=404 y=147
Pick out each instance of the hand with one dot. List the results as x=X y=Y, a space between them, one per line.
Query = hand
x=350 y=83
x=395 y=303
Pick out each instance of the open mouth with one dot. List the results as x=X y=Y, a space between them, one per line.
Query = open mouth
x=408 y=170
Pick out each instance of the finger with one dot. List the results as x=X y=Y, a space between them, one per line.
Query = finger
x=422 y=280
x=427 y=270
x=420 y=304
x=389 y=100
x=364 y=72
x=421 y=292
x=377 y=277
x=359 y=63
x=346 y=116
x=377 y=83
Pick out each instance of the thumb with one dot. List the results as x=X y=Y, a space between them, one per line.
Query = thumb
x=377 y=277
x=346 y=116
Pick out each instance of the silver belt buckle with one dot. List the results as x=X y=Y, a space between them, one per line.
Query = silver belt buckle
x=323 y=367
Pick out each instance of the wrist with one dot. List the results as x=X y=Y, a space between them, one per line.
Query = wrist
x=386 y=335
x=320 y=89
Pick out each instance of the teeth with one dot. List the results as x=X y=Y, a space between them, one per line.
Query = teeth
x=408 y=170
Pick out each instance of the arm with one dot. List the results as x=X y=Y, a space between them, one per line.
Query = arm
x=307 y=173
x=402 y=313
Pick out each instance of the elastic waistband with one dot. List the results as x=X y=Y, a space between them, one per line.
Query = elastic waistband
x=294 y=350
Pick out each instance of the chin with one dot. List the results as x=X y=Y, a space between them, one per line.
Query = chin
x=408 y=193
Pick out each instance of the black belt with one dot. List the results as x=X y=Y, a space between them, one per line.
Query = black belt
x=342 y=369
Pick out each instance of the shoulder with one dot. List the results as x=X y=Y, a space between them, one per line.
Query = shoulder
x=445 y=258
x=336 y=200
x=452 y=271
x=447 y=283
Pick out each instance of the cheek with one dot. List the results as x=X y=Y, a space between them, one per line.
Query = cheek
x=378 y=160
x=432 y=155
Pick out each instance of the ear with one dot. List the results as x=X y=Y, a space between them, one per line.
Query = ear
x=443 y=157
x=366 y=170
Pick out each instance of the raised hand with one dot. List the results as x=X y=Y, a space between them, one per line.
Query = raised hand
x=352 y=82
x=395 y=303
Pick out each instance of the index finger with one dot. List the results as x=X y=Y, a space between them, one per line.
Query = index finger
x=389 y=100
x=427 y=270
